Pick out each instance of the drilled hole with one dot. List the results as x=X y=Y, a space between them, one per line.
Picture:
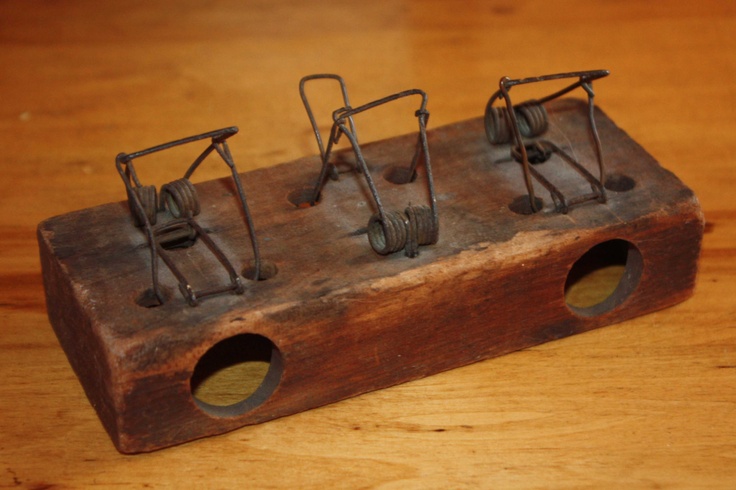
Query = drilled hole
x=603 y=277
x=148 y=299
x=268 y=270
x=536 y=153
x=178 y=243
x=302 y=197
x=236 y=375
x=176 y=235
x=399 y=175
x=619 y=183
x=523 y=205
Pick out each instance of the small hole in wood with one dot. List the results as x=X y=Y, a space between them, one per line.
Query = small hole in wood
x=536 y=153
x=619 y=183
x=148 y=299
x=268 y=270
x=603 y=277
x=302 y=197
x=523 y=205
x=236 y=375
x=399 y=175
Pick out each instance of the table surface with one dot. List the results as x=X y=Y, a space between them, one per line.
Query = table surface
x=647 y=403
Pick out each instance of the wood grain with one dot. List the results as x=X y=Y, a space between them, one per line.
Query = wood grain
x=646 y=403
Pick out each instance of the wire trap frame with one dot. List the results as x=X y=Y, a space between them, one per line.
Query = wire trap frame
x=511 y=124
x=181 y=230
x=388 y=231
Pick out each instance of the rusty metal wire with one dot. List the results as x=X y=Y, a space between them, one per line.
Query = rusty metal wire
x=388 y=231
x=180 y=197
x=148 y=198
x=512 y=123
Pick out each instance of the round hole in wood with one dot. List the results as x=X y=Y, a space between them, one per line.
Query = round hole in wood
x=302 y=197
x=268 y=270
x=236 y=375
x=399 y=175
x=619 y=183
x=603 y=277
x=148 y=299
x=523 y=205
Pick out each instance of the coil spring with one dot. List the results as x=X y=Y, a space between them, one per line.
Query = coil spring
x=410 y=229
x=149 y=200
x=387 y=236
x=497 y=126
x=421 y=229
x=530 y=115
x=181 y=198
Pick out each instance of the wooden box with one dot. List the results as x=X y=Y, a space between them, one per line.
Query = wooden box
x=337 y=320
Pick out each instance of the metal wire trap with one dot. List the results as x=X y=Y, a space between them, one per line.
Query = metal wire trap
x=180 y=199
x=521 y=125
x=389 y=231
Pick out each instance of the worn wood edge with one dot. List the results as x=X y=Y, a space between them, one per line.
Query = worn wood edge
x=63 y=304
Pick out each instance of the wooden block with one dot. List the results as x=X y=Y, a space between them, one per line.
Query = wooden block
x=337 y=319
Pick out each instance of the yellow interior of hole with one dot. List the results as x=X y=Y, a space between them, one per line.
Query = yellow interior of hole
x=231 y=384
x=595 y=286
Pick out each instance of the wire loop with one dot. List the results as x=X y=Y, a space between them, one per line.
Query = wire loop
x=387 y=231
x=148 y=208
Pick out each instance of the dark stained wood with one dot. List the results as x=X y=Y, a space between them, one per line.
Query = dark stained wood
x=343 y=319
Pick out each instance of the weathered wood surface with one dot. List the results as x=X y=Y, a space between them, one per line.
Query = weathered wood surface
x=646 y=402
x=344 y=319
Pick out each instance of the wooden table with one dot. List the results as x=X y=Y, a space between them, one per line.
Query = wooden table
x=647 y=403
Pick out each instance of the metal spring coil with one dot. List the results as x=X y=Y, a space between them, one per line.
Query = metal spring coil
x=410 y=229
x=387 y=236
x=530 y=115
x=497 y=126
x=533 y=118
x=421 y=229
x=149 y=200
x=181 y=198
